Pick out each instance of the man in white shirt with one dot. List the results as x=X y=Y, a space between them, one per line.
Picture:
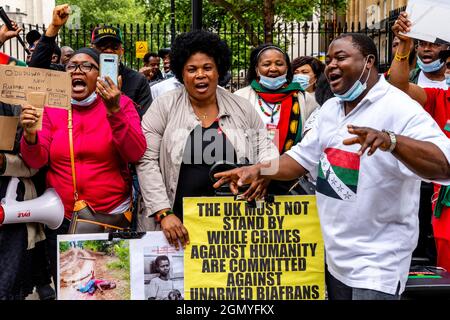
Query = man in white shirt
x=430 y=73
x=367 y=202
x=165 y=86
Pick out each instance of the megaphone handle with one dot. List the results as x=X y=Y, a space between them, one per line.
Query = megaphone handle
x=11 y=191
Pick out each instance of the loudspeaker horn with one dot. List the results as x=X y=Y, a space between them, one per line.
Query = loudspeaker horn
x=47 y=209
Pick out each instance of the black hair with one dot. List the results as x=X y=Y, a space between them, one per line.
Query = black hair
x=57 y=51
x=32 y=36
x=323 y=91
x=148 y=55
x=161 y=258
x=163 y=52
x=189 y=43
x=444 y=54
x=254 y=57
x=316 y=65
x=363 y=43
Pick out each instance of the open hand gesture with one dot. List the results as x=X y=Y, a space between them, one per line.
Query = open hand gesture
x=368 y=138
x=248 y=175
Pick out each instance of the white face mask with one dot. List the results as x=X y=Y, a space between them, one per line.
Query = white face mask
x=358 y=87
x=272 y=83
x=430 y=67
x=302 y=79
x=86 y=102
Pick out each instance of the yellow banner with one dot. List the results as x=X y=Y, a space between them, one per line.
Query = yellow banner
x=274 y=252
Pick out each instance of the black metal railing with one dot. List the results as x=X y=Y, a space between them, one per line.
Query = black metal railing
x=297 y=39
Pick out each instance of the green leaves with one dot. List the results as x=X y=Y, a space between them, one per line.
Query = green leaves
x=214 y=11
x=110 y=12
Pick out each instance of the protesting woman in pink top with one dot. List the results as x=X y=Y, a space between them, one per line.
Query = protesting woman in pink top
x=106 y=137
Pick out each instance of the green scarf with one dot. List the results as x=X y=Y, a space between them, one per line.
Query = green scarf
x=443 y=200
x=290 y=124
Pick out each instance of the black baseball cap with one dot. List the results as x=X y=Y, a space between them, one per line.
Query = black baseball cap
x=32 y=36
x=102 y=33
x=444 y=54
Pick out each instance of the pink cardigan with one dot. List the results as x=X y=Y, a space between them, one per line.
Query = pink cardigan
x=103 y=147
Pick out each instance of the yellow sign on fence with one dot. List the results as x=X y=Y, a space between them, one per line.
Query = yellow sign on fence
x=141 y=49
x=274 y=252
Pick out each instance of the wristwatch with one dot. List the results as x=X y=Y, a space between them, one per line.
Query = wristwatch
x=159 y=217
x=393 y=139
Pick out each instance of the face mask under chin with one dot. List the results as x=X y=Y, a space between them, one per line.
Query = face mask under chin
x=434 y=66
x=272 y=83
x=85 y=102
x=357 y=88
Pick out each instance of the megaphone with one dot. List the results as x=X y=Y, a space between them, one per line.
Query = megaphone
x=47 y=209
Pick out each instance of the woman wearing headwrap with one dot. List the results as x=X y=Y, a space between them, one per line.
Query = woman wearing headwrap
x=282 y=104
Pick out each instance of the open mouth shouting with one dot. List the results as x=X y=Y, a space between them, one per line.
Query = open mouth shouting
x=78 y=85
x=334 y=79
x=201 y=87
x=427 y=58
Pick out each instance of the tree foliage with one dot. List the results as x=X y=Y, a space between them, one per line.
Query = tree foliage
x=244 y=24
x=111 y=12
x=64 y=246
x=100 y=246
x=246 y=13
x=122 y=252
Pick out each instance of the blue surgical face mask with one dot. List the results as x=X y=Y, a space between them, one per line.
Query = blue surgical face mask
x=272 y=83
x=86 y=102
x=302 y=79
x=357 y=89
x=447 y=79
x=430 y=67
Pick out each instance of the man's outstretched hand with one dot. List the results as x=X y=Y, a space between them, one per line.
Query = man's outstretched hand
x=245 y=176
x=368 y=138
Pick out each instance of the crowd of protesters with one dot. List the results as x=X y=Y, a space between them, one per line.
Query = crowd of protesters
x=133 y=147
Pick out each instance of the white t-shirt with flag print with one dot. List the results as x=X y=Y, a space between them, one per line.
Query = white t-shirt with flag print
x=368 y=205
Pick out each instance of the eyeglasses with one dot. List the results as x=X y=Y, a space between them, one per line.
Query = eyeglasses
x=84 y=67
